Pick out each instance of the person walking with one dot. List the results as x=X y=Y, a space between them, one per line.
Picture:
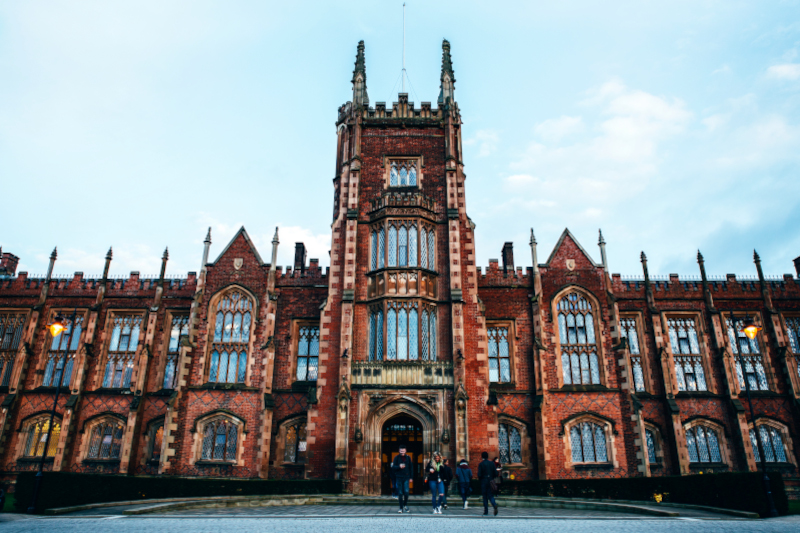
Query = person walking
x=447 y=477
x=486 y=473
x=498 y=478
x=464 y=478
x=434 y=478
x=403 y=470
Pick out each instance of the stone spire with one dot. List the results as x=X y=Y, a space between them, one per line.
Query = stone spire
x=601 y=242
x=648 y=289
x=53 y=257
x=206 y=246
x=164 y=259
x=360 y=97
x=448 y=77
x=706 y=289
x=107 y=266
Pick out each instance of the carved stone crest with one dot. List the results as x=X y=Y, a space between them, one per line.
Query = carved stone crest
x=570 y=264
x=237 y=263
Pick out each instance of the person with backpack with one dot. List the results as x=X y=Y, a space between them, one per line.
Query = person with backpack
x=464 y=478
x=487 y=471
x=447 y=477
x=434 y=478
x=403 y=470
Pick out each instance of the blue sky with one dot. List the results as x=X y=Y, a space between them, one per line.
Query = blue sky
x=672 y=125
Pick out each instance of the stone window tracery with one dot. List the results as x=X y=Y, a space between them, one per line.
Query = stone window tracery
x=588 y=443
x=37 y=436
x=307 y=353
x=747 y=351
x=499 y=354
x=60 y=357
x=793 y=332
x=105 y=439
x=11 y=326
x=771 y=441
x=703 y=444
x=179 y=331
x=122 y=350
x=409 y=332
x=629 y=332
x=510 y=443
x=403 y=173
x=579 y=360
x=402 y=243
x=220 y=438
x=231 y=341
x=683 y=338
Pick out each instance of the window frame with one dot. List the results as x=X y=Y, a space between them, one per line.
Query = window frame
x=171 y=314
x=722 y=440
x=658 y=445
x=283 y=430
x=599 y=339
x=608 y=432
x=703 y=346
x=83 y=316
x=511 y=326
x=419 y=304
x=88 y=430
x=25 y=429
x=795 y=359
x=417 y=160
x=383 y=227
x=199 y=430
x=763 y=350
x=9 y=355
x=786 y=437
x=211 y=313
x=150 y=443
x=643 y=354
x=525 y=442
x=108 y=333
x=297 y=325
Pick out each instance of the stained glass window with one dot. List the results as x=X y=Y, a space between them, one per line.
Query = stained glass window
x=178 y=332
x=703 y=445
x=231 y=339
x=11 y=326
x=510 y=443
x=37 y=437
x=588 y=443
x=219 y=440
x=579 y=361
x=295 y=444
x=499 y=360
x=650 y=438
x=105 y=441
x=307 y=353
x=746 y=352
x=60 y=358
x=771 y=442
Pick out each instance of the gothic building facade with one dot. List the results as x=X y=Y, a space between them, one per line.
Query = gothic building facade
x=249 y=370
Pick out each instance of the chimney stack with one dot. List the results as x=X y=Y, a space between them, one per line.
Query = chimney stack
x=508 y=257
x=300 y=257
x=8 y=263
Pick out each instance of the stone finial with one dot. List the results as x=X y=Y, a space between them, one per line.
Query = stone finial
x=602 y=244
x=448 y=77
x=166 y=254
x=360 y=97
x=643 y=258
x=109 y=254
x=275 y=238
x=208 y=236
x=533 y=238
x=756 y=257
x=700 y=257
x=54 y=255
x=601 y=240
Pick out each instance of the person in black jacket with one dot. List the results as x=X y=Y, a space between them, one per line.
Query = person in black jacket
x=487 y=470
x=464 y=477
x=403 y=471
x=447 y=477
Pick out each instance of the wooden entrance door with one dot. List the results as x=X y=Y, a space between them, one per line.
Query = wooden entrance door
x=407 y=431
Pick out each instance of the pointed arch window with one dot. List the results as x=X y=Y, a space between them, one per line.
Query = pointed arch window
x=510 y=444
x=403 y=173
x=588 y=443
x=220 y=438
x=37 y=437
x=295 y=444
x=307 y=352
x=122 y=350
x=11 y=325
x=499 y=354
x=229 y=350
x=105 y=441
x=793 y=331
x=703 y=444
x=683 y=339
x=579 y=360
x=179 y=332
x=60 y=357
x=628 y=331
x=771 y=442
x=748 y=353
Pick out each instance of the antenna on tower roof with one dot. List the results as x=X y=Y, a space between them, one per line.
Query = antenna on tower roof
x=403 y=74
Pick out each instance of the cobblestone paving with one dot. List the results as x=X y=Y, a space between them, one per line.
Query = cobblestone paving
x=398 y=524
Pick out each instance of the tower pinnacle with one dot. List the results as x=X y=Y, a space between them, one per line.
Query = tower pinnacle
x=360 y=97
x=448 y=77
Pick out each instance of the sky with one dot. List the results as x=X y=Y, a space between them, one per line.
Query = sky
x=673 y=126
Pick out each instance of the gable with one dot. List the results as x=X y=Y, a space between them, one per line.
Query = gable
x=240 y=247
x=566 y=248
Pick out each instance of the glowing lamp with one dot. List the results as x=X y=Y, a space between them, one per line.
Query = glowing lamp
x=57 y=326
x=750 y=329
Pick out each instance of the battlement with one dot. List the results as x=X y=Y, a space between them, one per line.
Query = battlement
x=79 y=283
x=728 y=283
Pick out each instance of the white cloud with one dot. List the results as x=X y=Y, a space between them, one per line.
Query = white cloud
x=787 y=71
x=716 y=121
x=724 y=69
x=555 y=129
x=487 y=142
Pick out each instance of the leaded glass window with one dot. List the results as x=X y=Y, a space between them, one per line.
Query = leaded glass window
x=219 y=440
x=510 y=443
x=771 y=442
x=11 y=326
x=307 y=353
x=105 y=440
x=295 y=444
x=179 y=332
x=685 y=344
x=588 y=442
x=431 y=250
x=650 y=439
x=392 y=260
x=423 y=248
x=746 y=352
x=579 y=361
x=156 y=441
x=703 y=445
x=37 y=437
x=499 y=355
x=403 y=173
x=402 y=243
x=381 y=248
x=122 y=350
x=231 y=339
x=793 y=332
x=402 y=246
x=410 y=333
x=374 y=247
x=628 y=331
x=412 y=245
x=60 y=357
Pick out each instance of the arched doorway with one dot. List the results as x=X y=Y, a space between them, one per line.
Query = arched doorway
x=402 y=430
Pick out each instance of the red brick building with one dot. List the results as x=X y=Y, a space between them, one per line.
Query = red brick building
x=248 y=370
